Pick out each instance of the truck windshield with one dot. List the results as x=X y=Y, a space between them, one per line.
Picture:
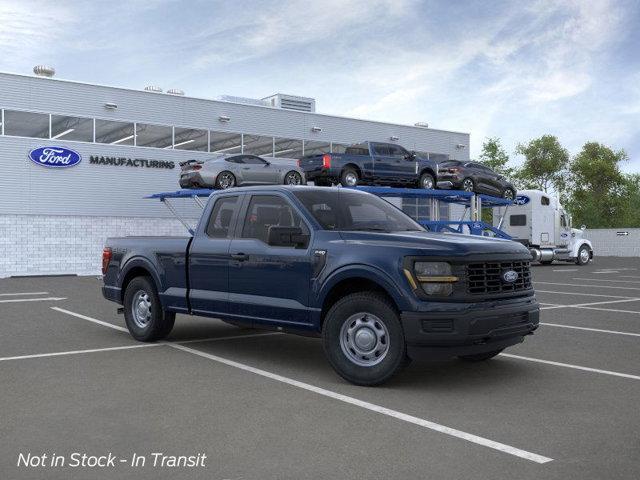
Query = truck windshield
x=353 y=211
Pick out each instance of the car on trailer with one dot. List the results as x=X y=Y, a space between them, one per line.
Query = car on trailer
x=227 y=171
x=371 y=163
x=474 y=177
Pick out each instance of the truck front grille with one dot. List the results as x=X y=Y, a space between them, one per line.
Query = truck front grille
x=487 y=277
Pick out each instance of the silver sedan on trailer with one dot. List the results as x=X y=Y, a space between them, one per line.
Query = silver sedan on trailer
x=226 y=171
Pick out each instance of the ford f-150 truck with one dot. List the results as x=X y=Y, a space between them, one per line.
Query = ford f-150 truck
x=371 y=163
x=336 y=263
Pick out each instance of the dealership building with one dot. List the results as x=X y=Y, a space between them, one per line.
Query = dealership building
x=129 y=144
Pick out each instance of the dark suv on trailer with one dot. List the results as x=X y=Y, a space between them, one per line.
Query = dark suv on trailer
x=474 y=177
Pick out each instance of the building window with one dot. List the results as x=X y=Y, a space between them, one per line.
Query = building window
x=312 y=147
x=258 y=145
x=224 y=142
x=157 y=136
x=420 y=209
x=191 y=139
x=114 y=133
x=26 y=124
x=72 y=128
x=287 y=148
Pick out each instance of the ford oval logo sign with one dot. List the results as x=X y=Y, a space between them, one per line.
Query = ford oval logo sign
x=55 y=157
x=521 y=200
x=510 y=276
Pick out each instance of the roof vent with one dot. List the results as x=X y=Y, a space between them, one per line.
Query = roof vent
x=292 y=102
x=422 y=124
x=153 y=88
x=175 y=91
x=44 y=71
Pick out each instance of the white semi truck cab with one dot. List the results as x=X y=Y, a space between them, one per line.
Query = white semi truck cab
x=538 y=221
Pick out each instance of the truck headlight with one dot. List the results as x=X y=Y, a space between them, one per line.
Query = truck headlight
x=435 y=278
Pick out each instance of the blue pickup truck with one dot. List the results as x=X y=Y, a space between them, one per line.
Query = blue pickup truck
x=371 y=163
x=336 y=263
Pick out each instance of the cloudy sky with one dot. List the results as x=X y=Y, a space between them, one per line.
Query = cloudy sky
x=515 y=70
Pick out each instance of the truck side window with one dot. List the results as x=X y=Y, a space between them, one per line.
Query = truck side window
x=269 y=210
x=517 y=220
x=219 y=225
x=380 y=149
x=544 y=200
x=397 y=151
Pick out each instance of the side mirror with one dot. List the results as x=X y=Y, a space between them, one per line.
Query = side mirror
x=410 y=156
x=267 y=163
x=287 y=237
x=583 y=227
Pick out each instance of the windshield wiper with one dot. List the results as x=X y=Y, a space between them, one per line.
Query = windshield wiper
x=369 y=229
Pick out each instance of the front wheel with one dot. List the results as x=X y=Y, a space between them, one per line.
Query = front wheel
x=468 y=185
x=143 y=313
x=293 y=178
x=427 y=181
x=363 y=339
x=584 y=256
x=480 y=357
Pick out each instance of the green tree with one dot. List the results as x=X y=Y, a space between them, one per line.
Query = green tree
x=599 y=191
x=545 y=164
x=495 y=157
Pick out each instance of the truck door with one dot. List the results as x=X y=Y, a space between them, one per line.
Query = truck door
x=564 y=229
x=209 y=258
x=402 y=164
x=382 y=161
x=267 y=283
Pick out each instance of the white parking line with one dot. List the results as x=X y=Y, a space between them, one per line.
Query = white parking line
x=76 y=352
x=610 y=310
x=590 y=286
x=599 y=330
x=373 y=407
x=89 y=319
x=23 y=293
x=565 y=270
x=582 y=294
x=46 y=299
x=233 y=337
x=604 y=280
x=569 y=365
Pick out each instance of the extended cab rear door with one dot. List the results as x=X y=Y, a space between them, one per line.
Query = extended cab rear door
x=209 y=256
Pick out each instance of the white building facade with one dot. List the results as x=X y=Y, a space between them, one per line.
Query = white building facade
x=130 y=143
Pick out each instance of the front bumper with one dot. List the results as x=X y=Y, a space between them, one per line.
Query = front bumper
x=453 y=329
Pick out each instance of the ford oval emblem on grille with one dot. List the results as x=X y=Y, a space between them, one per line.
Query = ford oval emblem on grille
x=510 y=276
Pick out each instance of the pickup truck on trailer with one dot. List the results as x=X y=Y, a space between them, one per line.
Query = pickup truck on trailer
x=371 y=163
x=340 y=264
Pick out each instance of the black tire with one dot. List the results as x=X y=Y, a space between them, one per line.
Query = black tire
x=427 y=179
x=509 y=194
x=289 y=176
x=347 y=175
x=159 y=323
x=221 y=183
x=480 y=357
x=580 y=259
x=378 y=310
x=468 y=185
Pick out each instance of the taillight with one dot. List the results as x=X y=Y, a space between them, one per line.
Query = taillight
x=326 y=161
x=196 y=167
x=106 y=258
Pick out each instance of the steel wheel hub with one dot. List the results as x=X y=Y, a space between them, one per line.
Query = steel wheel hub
x=351 y=179
x=364 y=339
x=141 y=309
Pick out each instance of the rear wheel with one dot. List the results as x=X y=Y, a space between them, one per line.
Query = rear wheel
x=427 y=181
x=293 y=178
x=225 y=180
x=508 y=194
x=480 y=357
x=143 y=313
x=584 y=255
x=363 y=339
x=349 y=177
x=468 y=185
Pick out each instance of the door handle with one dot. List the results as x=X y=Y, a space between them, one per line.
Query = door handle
x=241 y=257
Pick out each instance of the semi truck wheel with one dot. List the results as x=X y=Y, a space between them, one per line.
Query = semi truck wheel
x=480 y=357
x=143 y=313
x=363 y=339
x=584 y=255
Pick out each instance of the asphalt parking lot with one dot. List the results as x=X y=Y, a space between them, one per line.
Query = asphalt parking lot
x=265 y=405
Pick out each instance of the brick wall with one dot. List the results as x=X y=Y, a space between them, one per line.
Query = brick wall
x=55 y=245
